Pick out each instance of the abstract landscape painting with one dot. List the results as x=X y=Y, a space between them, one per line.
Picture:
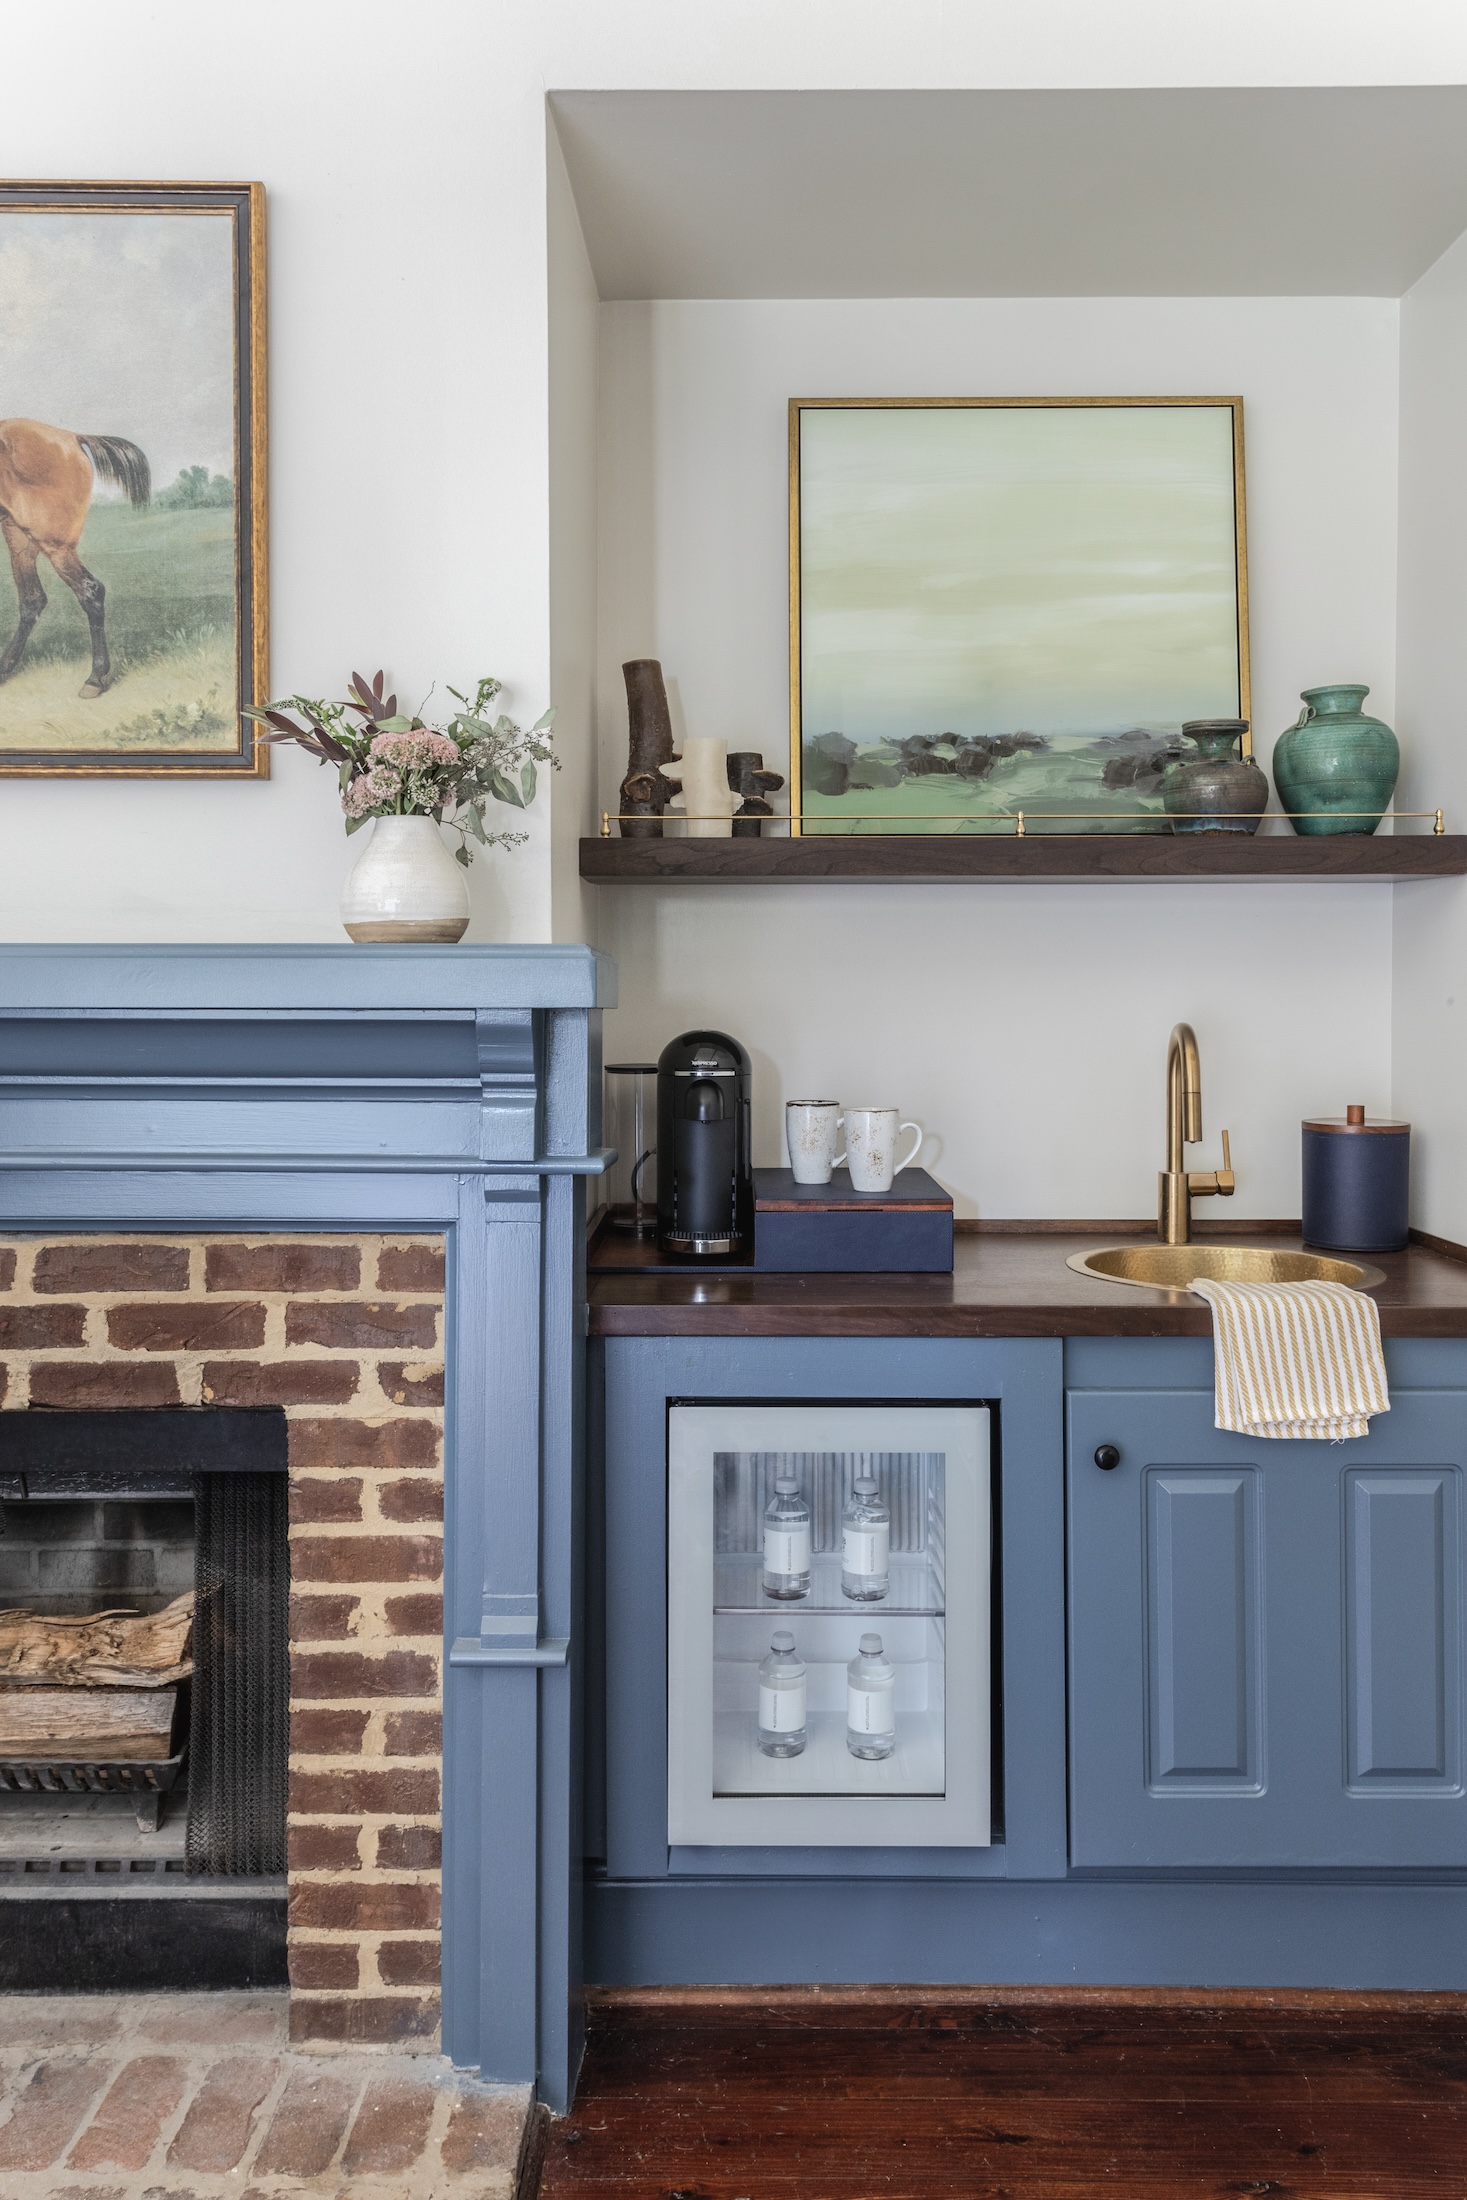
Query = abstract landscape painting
x=1009 y=605
x=132 y=582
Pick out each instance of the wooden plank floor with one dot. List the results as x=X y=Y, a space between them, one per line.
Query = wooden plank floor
x=1017 y=2094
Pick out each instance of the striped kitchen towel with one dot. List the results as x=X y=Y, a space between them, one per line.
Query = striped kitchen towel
x=1295 y=1359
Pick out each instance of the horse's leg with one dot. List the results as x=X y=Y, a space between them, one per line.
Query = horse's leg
x=29 y=592
x=91 y=595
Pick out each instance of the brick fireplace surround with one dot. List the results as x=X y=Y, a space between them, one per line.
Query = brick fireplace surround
x=350 y=1182
x=346 y=1334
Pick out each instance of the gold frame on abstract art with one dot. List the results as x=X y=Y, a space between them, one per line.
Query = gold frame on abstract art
x=245 y=202
x=801 y=405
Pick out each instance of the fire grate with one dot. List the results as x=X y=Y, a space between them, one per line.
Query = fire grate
x=147 y=1782
x=16 y=1870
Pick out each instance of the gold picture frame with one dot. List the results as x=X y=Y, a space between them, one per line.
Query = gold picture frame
x=1223 y=685
x=172 y=602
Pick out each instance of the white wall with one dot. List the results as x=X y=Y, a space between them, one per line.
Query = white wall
x=404 y=155
x=572 y=364
x=1024 y=1026
x=1430 y=974
x=404 y=151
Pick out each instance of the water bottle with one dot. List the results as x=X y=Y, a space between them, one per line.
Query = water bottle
x=786 y=1541
x=865 y=1550
x=870 y=1701
x=782 y=1698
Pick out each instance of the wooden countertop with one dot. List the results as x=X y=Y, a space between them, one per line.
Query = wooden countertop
x=1008 y=1283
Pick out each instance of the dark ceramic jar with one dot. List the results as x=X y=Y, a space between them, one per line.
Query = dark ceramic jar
x=1357 y=1178
x=1214 y=790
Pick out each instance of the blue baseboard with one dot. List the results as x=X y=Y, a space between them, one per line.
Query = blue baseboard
x=1074 y=1933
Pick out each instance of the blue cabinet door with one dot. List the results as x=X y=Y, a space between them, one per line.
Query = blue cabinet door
x=1266 y=1639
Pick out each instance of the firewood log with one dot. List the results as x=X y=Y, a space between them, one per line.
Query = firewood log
x=80 y=1723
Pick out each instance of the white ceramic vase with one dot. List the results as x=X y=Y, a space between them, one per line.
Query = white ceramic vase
x=405 y=885
x=702 y=773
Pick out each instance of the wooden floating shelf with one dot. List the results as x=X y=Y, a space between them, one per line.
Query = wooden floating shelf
x=927 y=858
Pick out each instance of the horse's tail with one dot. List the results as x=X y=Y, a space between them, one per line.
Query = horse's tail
x=118 y=460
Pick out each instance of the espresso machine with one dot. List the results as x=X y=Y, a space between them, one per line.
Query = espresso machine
x=705 y=1177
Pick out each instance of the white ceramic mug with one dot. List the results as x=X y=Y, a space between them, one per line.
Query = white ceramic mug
x=812 y=1133
x=871 y=1137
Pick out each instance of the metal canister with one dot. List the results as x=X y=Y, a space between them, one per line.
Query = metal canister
x=1357 y=1176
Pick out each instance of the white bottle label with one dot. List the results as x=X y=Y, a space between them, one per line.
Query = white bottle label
x=871 y=1710
x=787 y=1550
x=781 y=1710
x=866 y=1550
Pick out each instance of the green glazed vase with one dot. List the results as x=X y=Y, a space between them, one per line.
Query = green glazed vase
x=1336 y=760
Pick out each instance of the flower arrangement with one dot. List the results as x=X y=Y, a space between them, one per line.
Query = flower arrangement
x=390 y=765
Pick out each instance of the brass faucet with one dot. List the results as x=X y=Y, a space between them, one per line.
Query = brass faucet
x=1176 y=1187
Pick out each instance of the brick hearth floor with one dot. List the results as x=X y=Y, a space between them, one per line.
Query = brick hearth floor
x=194 y=2096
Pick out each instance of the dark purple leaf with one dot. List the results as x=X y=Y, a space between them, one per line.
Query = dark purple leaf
x=369 y=696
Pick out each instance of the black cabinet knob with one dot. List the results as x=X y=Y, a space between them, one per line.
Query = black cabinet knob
x=1107 y=1456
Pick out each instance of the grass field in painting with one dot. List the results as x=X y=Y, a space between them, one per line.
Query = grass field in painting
x=1061 y=790
x=169 y=578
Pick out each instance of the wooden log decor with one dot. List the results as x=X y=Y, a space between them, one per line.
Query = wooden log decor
x=131 y=1724
x=118 y=1649
x=645 y=794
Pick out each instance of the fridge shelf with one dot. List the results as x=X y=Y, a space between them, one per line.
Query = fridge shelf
x=915 y=1592
x=825 y=1766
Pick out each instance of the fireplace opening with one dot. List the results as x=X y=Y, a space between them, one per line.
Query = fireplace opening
x=144 y=1691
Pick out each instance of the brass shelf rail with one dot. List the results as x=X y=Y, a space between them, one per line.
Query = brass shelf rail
x=834 y=829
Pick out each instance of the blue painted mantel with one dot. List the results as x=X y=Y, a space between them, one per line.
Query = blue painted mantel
x=452 y=1089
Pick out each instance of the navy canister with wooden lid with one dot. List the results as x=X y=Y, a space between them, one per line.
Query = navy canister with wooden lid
x=1357 y=1184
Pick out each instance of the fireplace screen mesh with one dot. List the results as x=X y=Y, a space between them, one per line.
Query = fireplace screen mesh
x=238 y=1738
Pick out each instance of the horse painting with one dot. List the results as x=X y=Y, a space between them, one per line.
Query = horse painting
x=46 y=480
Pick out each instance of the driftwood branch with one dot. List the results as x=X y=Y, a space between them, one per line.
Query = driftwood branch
x=119 y=1649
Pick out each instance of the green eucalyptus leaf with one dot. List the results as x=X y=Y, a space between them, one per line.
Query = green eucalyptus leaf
x=461 y=854
x=505 y=790
x=527 y=783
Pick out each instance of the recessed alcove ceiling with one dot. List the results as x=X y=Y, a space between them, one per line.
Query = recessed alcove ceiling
x=1174 y=193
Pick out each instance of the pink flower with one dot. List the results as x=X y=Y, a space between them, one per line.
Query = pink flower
x=414 y=751
x=373 y=790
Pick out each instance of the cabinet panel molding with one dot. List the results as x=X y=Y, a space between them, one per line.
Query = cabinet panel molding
x=1402 y=1621
x=1204 y=1687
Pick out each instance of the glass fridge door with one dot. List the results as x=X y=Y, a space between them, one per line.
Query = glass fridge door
x=828 y=1601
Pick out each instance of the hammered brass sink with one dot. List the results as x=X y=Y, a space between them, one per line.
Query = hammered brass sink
x=1172 y=1267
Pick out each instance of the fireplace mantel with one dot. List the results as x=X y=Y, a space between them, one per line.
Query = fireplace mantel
x=394 y=1089
x=409 y=1057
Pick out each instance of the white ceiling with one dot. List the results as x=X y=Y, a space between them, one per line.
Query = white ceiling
x=1016 y=194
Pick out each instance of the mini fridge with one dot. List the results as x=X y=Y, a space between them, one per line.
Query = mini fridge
x=894 y=1749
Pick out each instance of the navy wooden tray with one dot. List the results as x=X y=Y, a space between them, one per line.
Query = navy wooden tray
x=826 y=1228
